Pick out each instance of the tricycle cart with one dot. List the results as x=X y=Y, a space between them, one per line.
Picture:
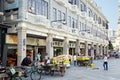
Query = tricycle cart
x=84 y=61
x=52 y=68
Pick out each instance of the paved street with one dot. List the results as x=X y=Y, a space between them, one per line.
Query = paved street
x=83 y=73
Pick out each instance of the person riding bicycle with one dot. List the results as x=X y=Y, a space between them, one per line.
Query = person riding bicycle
x=26 y=61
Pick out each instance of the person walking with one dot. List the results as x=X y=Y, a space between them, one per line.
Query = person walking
x=46 y=58
x=38 y=56
x=75 y=58
x=105 y=64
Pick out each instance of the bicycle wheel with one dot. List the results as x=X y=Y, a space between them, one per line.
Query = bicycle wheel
x=35 y=75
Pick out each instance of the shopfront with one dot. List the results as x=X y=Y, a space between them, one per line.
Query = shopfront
x=33 y=46
x=3 y=32
x=82 y=48
x=71 y=48
x=57 y=47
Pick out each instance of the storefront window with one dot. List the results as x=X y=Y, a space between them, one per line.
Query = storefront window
x=11 y=57
x=58 y=51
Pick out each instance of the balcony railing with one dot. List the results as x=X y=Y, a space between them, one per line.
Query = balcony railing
x=61 y=2
x=83 y=14
x=73 y=8
x=38 y=19
x=74 y=30
x=90 y=19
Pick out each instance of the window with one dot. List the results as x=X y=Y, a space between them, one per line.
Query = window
x=31 y=6
x=70 y=1
x=99 y=20
x=74 y=2
x=54 y=14
x=39 y=7
x=83 y=7
x=80 y=26
x=90 y=12
x=44 y=8
x=59 y=15
x=75 y=23
x=69 y=21
x=63 y=16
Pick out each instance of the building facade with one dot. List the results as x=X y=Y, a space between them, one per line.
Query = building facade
x=54 y=27
x=112 y=37
x=118 y=29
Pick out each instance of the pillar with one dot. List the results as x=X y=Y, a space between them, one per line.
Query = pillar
x=49 y=45
x=66 y=46
x=86 y=48
x=97 y=49
x=23 y=9
x=92 y=51
x=77 y=47
x=21 y=44
x=101 y=50
x=105 y=49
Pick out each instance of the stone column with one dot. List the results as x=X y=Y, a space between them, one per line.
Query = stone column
x=97 y=49
x=21 y=44
x=49 y=45
x=86 y=48
x=107 y=49
x=23 y=9
x=92 y=50
x=101 y=50
x=77 y=47
x=66 y=46
x=104 y=49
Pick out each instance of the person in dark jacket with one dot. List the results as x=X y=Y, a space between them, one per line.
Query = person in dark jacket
x=26 y=61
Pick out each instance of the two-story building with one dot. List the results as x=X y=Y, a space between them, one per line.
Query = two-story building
x=54 y=27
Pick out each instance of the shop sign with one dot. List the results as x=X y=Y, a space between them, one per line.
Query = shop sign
x=36 y=41
x=57 y=44
x=11 y=39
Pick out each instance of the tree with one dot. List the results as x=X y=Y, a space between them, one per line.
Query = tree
x=110 y=46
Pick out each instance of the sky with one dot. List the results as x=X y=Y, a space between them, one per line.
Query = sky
x=110 y=11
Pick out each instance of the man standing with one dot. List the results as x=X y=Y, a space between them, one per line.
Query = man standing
x=105 y=64
x=26 y=61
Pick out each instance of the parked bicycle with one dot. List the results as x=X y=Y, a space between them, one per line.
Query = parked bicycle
x=25 y=73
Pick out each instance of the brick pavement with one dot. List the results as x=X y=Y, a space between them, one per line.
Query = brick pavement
x=83 y=73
